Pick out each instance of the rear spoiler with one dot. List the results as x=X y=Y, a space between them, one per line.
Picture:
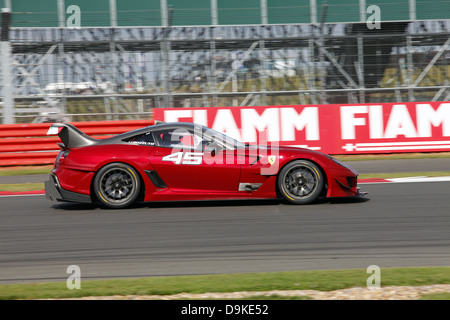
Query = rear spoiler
x=70 y=135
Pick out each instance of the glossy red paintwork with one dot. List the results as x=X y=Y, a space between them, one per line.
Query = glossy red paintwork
x=217 y=177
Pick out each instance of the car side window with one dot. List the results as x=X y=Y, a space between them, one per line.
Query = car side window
x=186 y=139
x=176 y=138
x=142 y=139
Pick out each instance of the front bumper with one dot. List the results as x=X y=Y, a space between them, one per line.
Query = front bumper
x=54 y=192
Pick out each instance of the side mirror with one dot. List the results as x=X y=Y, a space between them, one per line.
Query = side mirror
x=205 y=144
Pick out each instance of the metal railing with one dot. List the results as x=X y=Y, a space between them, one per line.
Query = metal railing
x=124 y=72
x=27 y=144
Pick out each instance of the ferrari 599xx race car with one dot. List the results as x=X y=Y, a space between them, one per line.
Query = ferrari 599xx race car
x=187 y=161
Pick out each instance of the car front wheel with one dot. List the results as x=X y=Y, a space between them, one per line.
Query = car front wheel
x=117 y=185
x=300 y=182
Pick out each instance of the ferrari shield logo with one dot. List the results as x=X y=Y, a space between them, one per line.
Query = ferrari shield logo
x=271 y=159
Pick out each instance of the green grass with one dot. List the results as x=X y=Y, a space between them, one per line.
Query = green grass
x=19 y=187
x=323 y=280
x=18 y=171
x=437 y=296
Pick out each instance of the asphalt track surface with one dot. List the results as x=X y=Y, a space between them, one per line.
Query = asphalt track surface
x=399 y=224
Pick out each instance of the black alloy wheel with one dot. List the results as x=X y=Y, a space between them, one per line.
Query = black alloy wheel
x=117 y=185
x=300 y=182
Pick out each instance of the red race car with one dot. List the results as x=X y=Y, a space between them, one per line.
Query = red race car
x=186 y=161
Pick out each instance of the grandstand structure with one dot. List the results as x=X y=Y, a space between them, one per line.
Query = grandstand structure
x=117 y=59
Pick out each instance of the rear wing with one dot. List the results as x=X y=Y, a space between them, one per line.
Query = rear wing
x=71 y=136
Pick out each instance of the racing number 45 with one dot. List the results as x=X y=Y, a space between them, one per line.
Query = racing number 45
x=184 y=157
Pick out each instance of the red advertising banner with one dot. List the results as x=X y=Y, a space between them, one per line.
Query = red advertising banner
x=332 y=129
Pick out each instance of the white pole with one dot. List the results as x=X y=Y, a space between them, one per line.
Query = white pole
x=113 y=13
x=264 y=18
x=214 y=13
x=6 y=78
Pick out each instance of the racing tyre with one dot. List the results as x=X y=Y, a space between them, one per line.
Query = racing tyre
x=300 y=182
x=117 y=185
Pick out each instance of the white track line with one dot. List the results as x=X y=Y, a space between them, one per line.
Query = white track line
x=407 y=180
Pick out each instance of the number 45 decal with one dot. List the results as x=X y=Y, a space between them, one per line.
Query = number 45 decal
x=185 y=157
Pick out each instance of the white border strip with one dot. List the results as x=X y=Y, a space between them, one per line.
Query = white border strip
x=388 y=146
x=407 y=180
x=304 y=146
x=419 y=179
x=403 y=148
x=406 y=143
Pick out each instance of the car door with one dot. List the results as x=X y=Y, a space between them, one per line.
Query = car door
x=185 y=166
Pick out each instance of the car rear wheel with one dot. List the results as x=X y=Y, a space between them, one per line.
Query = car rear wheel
x=300 y=182
x=117 y=185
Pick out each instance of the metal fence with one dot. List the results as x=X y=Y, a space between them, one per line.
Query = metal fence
x=113 y=73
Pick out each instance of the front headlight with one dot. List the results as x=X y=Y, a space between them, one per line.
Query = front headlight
x=341 y=163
